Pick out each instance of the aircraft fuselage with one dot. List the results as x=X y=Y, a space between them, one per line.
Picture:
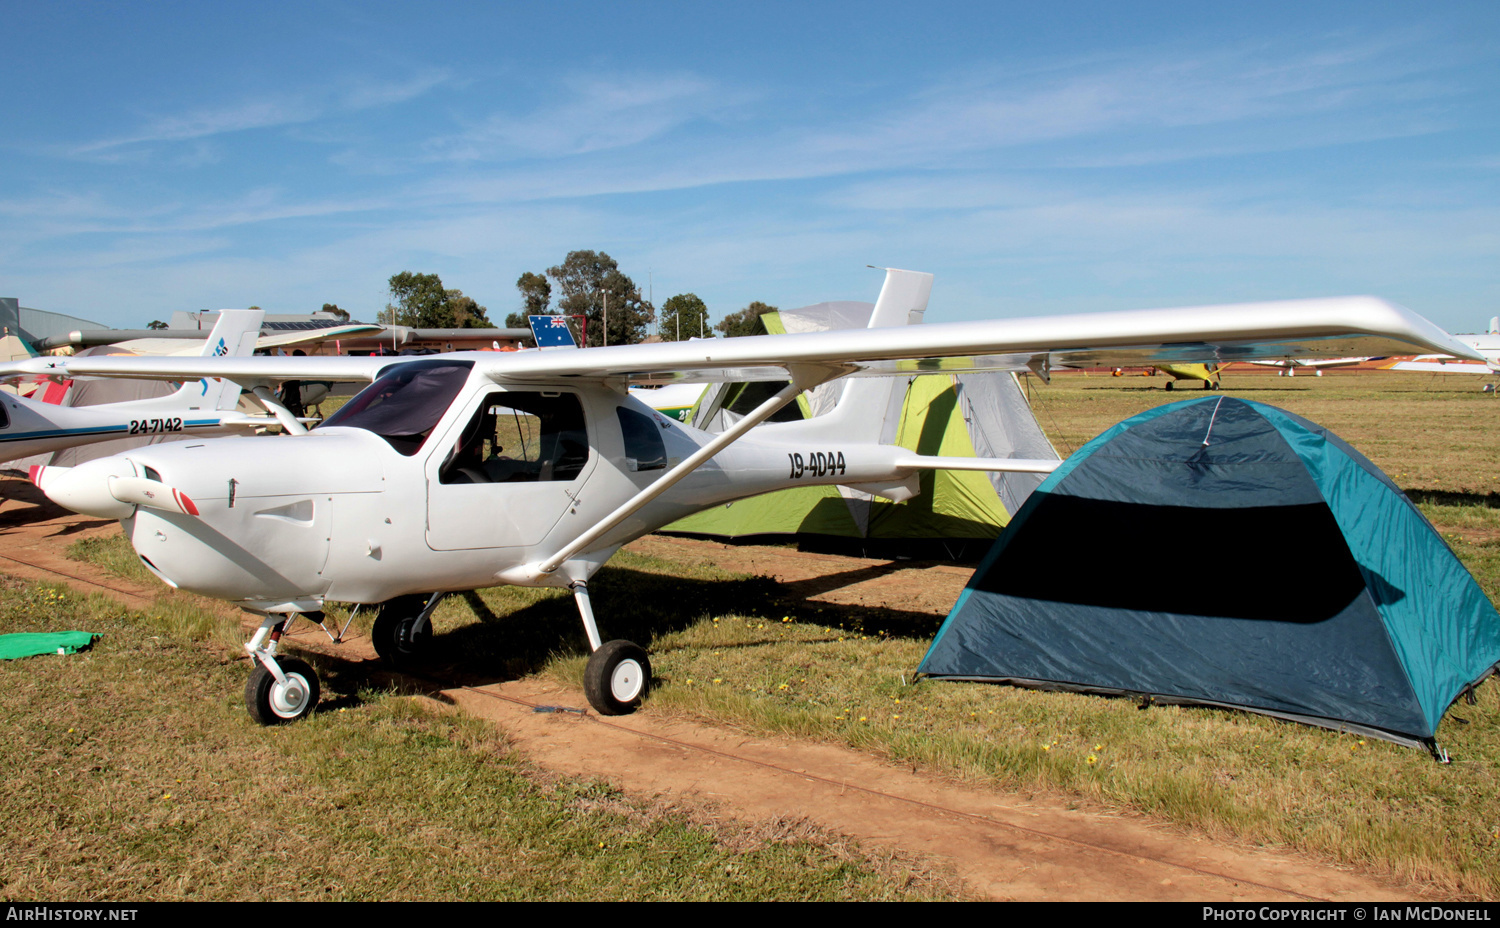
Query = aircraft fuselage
x=29 y=427
x=506 y=477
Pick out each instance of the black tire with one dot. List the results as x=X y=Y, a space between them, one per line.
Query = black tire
x=394 y=635
x=1169 y=384
x=617 y=677
x=273 y=704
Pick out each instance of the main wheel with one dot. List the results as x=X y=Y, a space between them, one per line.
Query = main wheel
x=395 y=634
x=1169 y=384
x=617 y=677
x=272 y=703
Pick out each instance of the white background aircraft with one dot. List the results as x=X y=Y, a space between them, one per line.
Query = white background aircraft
x=454 y=472
x=202 y=406
x=1487 y=345
x=1316 y=365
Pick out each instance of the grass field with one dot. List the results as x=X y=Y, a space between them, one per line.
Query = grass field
x=730 y=649
x=132 y=772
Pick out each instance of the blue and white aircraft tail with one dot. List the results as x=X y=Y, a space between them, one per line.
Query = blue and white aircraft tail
x=33 y=427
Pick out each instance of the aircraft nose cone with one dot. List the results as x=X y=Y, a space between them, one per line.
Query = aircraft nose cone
x=85 y=488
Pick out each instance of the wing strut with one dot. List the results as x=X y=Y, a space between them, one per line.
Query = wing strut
x=803 y=378
x=282 y=414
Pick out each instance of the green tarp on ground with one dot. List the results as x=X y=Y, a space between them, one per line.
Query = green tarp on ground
x=30 y=644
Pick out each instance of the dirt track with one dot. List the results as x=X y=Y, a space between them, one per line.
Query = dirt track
x=1003 y=846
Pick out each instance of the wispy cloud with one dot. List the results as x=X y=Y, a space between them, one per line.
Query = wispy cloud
x=274 y=110
x=597 y=112
x=255 y=114
x=368 y=94
x=612 y=135
x=998 y=110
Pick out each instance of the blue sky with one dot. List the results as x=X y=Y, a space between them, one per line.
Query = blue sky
x=1037 y=158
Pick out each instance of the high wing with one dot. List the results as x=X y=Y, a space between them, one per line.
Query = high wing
x=1443 y=364
x=1296 y=329
x=1315 y=364
x=318 y=336
x=1487 y=345
x=1292 y=329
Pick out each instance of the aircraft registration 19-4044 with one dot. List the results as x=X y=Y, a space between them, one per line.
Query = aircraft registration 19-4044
x=454 y=472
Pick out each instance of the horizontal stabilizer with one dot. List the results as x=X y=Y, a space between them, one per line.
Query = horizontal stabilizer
x=989 y=465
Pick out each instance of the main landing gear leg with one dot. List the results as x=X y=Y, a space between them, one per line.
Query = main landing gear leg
x=618 y=672
x=278 y=691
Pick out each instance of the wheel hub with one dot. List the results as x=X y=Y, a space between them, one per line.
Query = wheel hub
x=407 y=638
x=626 y=681
x=288 y=698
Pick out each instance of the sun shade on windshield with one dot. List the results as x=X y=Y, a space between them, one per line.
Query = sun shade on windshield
x=404 y=405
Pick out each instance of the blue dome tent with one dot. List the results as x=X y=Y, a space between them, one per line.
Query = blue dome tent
x=1323 y=596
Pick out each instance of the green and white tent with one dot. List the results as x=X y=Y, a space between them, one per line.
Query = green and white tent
x=954 y=415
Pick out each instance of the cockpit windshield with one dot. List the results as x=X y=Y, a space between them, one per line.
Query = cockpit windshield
x=403 y=406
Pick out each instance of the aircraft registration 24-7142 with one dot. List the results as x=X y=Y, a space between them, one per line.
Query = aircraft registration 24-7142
x=454 y=472
x=202 y=406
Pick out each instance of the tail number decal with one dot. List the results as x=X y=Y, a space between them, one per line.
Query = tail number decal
x=816 y=464
x=154 y=426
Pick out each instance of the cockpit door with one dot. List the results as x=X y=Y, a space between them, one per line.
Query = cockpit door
x=507 y=470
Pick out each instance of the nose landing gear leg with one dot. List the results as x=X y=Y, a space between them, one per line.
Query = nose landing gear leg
x=278 y=691
x=618 y=674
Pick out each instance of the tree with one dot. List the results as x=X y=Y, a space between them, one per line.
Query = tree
x=591 y=283
x=536 y=295
x=684 y=316
x=419 y=301
x=465 y=312
x=333 y=309
x=156 y=324
x=746 y=321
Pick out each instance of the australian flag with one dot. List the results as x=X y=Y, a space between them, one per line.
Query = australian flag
x=552 y=332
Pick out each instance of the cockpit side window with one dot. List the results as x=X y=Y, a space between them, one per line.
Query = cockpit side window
x=4 y=417
x=520 y=437
x=644 y=448
x=403 y=406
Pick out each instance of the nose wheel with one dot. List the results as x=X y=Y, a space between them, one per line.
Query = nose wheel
x=276 y=702
x=617 y=677
x=280 y=689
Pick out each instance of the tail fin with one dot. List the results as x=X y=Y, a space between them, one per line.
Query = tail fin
x=234 y=336
x=864 y=411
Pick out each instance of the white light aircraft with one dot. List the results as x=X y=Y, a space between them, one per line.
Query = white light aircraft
x=1487 y=345
x=203 y=406
x=1316 y=365
x=454 y=472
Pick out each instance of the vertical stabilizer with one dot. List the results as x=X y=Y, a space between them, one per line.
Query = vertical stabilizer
x=870 y=407
x=234 y=336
